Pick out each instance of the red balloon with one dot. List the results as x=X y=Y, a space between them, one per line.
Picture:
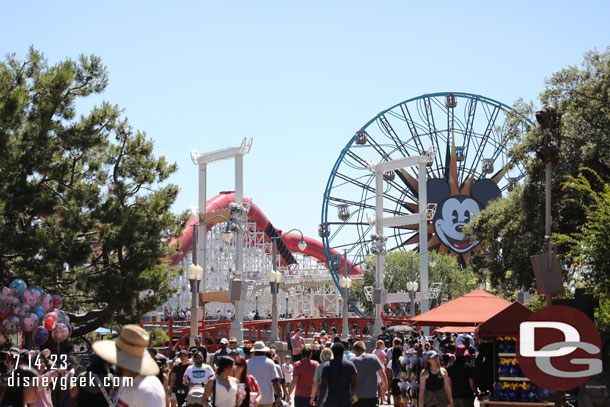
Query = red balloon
x=50 y=321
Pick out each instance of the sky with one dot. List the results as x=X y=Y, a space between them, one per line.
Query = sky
x=298 y=77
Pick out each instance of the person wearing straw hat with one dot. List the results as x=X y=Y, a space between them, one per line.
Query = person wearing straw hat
x=263 y=370
x=128 y=353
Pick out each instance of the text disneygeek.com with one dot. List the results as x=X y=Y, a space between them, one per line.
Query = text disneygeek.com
x=65 y=383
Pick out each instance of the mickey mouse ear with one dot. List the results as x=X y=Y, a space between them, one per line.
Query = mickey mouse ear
x=438 y=190
x=485 y=190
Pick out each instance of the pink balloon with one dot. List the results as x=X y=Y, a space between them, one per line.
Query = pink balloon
x=57 y=302
x=18 y=310
x=29 y=322
x=47 y=302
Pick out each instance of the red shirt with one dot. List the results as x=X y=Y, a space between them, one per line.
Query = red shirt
x=304 y=371
x=253 y=384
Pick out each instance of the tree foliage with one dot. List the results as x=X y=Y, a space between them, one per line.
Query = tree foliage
x=511 y=229
x=402 y=267
x=158 y=337
x=83 y=212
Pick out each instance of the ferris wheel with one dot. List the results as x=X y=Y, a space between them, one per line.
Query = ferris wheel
x=471 y=135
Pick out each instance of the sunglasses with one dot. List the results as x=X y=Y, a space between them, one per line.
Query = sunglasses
x=239 y=365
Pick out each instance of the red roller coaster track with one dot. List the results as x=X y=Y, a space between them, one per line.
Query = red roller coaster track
x=286 y=245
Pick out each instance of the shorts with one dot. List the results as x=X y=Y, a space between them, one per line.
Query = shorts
x=395 y=387
x=435 y=398
x=300 y=401
x=366 y=402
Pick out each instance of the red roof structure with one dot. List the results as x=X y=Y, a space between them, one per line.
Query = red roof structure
x=471 y=309
x=506 y=322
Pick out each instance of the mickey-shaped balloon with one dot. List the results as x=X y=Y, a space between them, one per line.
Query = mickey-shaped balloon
x=11 y=324
x=29 y=322
x=31 y=297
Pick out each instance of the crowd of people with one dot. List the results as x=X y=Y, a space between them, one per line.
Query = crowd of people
x=405 y=370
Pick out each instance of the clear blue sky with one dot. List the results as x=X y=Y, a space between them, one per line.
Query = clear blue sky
x=298 y=77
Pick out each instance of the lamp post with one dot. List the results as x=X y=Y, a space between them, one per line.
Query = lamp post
x=275 y=277
x=193 y=275
x=412 y=285
x=345 y=283
x=546 y=266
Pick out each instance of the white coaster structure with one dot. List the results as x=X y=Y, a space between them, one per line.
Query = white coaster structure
x=307 y=284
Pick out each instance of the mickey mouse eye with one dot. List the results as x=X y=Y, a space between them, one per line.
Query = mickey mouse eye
x=467 y=216
x=454 y=215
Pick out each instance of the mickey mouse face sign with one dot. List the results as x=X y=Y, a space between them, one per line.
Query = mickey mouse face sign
x=455 y=211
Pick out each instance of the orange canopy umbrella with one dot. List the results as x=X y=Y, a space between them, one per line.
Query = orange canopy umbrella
x=456 y=329
x=468 y=310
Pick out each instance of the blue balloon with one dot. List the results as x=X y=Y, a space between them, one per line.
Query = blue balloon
x=41 y=335
x=39 y=311
x=18 y=286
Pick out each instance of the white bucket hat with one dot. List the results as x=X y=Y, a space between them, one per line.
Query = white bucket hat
x=259 y=346
x=129 y=351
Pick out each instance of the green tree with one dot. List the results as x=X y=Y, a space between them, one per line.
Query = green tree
x=158 y=337
x=403 y=266
x=511 y=229
x=589 y=244
x=82 y=210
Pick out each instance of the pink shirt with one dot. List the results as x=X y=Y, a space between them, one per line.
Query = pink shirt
x=298 y=343
x=380 y=353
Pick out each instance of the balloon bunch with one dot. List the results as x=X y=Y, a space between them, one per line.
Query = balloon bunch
x=33 y=310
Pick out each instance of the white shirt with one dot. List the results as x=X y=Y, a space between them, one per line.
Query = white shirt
x=198 y=375
x=288 y=370
x=226 y=397
x=147 y=391
x=263 y=370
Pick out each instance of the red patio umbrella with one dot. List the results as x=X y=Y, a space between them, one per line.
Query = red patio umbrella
x=468 y=310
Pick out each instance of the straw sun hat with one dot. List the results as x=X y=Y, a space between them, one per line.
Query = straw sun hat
x=129 y=351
